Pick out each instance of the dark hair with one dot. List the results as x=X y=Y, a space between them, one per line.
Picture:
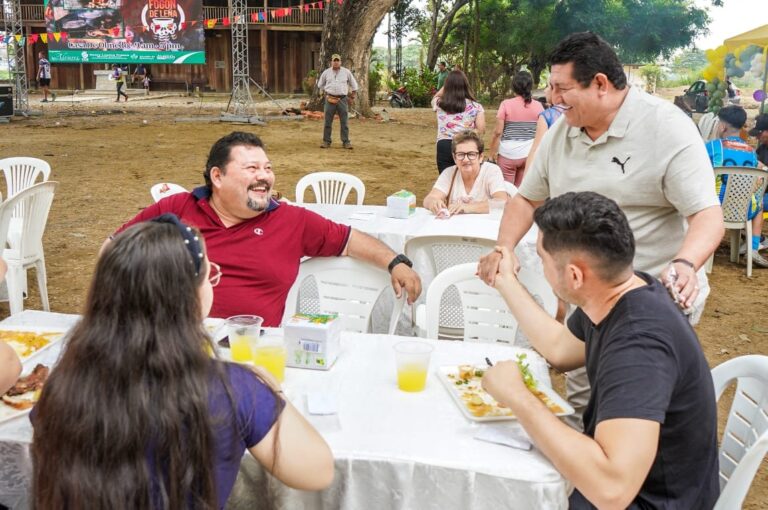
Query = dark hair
x=467 y=136
x=591 y=223
x=124 y=421
x=456 y=91
x=733 y=115
x=590 y=55
x=219 y=155
x=522 y=84
x=444 y=63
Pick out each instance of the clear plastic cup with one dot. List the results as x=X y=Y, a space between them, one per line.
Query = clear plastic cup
x=244 y=332
x=496 y=207
x=270 y=354
x=412 y=364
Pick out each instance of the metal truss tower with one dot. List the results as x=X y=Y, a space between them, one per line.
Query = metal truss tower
x=12 y=24
x=241 y=102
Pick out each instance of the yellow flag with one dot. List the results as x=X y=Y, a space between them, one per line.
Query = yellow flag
x=18 y=38
x=44 y=37
x=57 y=36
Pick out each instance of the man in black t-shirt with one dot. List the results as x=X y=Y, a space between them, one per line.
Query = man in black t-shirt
x=650 y=428
x=761 y=132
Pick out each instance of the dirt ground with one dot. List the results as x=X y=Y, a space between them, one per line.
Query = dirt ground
x=105 y=158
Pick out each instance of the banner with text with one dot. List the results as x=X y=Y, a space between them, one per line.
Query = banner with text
x=126 y=31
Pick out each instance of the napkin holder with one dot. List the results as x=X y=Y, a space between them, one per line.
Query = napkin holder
x=401 y=204
x=312 y=340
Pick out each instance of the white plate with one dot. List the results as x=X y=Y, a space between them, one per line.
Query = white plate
x=9 y=413
x=215 y=328
x=444 y=372
x=58 y=335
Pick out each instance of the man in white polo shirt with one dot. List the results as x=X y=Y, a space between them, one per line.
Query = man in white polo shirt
x=642 y=152
x=339 y=86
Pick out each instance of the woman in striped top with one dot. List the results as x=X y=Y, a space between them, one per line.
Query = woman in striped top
x=515 y=129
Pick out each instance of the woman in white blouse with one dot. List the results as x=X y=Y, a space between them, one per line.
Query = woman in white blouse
x=467 y=186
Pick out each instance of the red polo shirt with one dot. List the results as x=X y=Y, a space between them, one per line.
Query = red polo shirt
x=259 y=258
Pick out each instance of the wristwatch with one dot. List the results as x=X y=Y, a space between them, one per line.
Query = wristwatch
x=400 y=259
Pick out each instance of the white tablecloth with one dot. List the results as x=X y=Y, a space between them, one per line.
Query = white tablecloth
x=397 y=450
x=393 y=450
x=395 y=232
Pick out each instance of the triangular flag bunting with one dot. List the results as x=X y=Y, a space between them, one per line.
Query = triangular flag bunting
x=64 y=36
x=254 y=17
x=225 y=22
x=115 y=31
x=33 y=38
x=44 y=37
x=2 y=37
x=306 y=7
x=184 y=26
x=212 y=22
x=57 y=36
x=18 y=38
x=338 y=2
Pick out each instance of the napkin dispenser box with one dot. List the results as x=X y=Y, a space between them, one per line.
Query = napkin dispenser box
x=401 y=204
x=312 y=340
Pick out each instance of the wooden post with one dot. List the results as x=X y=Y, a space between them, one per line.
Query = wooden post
x=301 y=12
x=82 y=77
x=264 y=59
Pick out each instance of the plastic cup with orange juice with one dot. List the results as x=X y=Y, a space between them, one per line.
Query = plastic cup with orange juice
x=412 y=365
x=270 y=354
x=244 y=332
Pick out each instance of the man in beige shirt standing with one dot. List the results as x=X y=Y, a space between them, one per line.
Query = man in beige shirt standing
x=339 y=87
x=642 y=152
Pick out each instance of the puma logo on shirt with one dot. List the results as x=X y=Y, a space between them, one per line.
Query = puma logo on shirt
x=618 y=162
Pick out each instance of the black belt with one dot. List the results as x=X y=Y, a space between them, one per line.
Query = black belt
x=337 y=97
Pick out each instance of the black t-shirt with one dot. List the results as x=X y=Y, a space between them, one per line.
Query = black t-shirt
x=644 y=361
x=762 y=153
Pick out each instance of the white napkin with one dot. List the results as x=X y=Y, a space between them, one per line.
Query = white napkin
x=362 y=216
x=321 y=403
x=505 y=434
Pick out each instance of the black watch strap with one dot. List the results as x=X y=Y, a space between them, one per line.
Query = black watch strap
x=400 y=259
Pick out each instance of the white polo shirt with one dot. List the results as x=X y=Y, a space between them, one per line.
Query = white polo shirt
x=651 y=161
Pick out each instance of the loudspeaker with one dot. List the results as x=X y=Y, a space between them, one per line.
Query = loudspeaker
x=6 y=106
x=6 y=90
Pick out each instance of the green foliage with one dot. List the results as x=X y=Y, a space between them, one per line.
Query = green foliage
x=412 y=55
x=652 y=74
x=376 y=75
x=420 y=85
x=309 y=81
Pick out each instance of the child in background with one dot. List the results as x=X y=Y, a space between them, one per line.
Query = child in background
x=145 y=82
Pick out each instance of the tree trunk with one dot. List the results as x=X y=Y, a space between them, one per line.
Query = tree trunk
x=348 y=30
x=536 y=66
x=440 y=28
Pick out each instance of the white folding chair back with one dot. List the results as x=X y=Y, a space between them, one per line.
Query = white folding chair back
x=165 y=189
x=708 y=124
x=341 y=285
x=439 y=253
x=34 y=204
x=745 y=439
x=486 y=316
x=743 y=183
x=330 y=187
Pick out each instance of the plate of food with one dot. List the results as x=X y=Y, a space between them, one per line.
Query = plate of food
x=27 y=343
x=464 y=384
x=23 y=395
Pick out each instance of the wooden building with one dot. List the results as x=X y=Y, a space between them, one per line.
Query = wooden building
x=281 y=51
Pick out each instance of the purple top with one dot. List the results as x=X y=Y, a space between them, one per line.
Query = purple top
x=255 y=407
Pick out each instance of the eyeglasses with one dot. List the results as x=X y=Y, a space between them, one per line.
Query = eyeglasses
x=214 y=276
x=469 y=155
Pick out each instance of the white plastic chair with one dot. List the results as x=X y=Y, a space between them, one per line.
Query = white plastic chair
x=743 y=183
x=342 y=285
x=486 y=316
x=330 y=187
x=34 y=204
x=165 y=189
x=436 y=254
x=511 y=189
x=745 y=439
x=21 y=173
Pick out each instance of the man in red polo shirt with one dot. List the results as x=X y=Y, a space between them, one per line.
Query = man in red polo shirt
x=259 y=242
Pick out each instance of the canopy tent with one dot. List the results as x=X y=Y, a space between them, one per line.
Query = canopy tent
x=759 y=37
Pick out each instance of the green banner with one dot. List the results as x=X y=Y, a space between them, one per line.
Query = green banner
x=125 y=31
